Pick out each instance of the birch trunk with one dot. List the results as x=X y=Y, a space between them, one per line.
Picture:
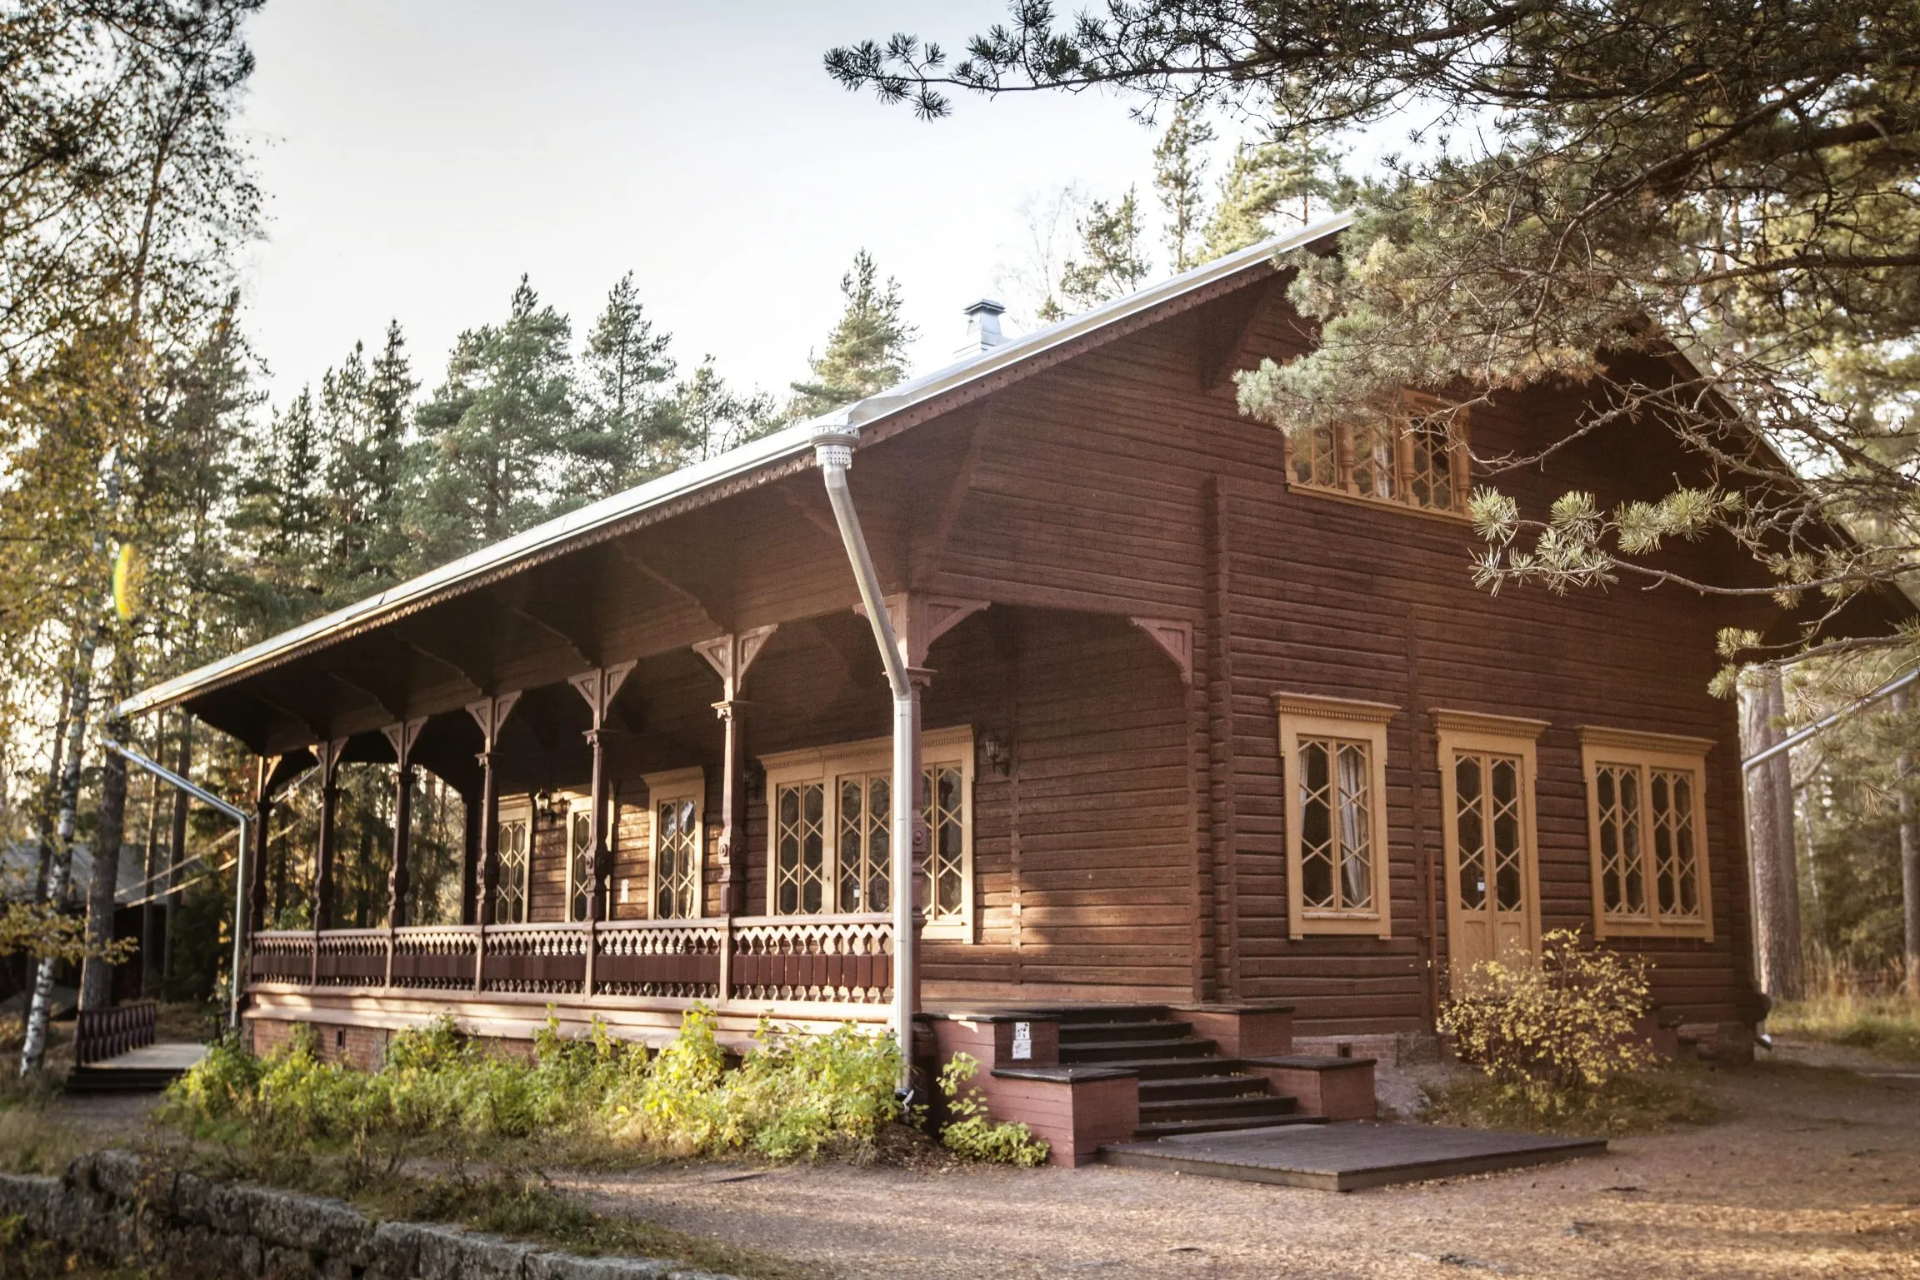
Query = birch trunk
x=33 y=1050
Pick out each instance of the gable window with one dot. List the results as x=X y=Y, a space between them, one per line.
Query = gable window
x=832 y=836
x=1646 y=826
x=677 y=802
x=1410 y=453
x=512 y=844
x=1334 y=758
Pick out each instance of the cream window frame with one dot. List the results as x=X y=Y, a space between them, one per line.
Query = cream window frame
x=1308 y=716
x=1474 y=732
x=1336 y=444
x=673 y=787
x=1647 y=752
x=951 y=748
x=516 y=809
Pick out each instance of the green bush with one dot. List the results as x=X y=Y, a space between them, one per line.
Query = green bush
x=971 y=1135
x=792 y=1097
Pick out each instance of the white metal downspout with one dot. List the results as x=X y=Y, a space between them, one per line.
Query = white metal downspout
x=240 y=816
x=833 y=450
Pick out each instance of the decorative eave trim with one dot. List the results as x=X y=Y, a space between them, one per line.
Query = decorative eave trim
x=1640 y=740
x=1448 y=720
x=1324 y=708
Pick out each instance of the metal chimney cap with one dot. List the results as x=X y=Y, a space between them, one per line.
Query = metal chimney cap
x=987 y=305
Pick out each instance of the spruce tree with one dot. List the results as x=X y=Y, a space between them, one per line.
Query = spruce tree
x=1179 y=168
x=1112 y=262
x=867 y=351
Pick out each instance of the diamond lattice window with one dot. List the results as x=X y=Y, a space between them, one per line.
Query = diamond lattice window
x=1644 y=797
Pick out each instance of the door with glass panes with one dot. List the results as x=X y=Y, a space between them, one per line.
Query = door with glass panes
x=1492 y=889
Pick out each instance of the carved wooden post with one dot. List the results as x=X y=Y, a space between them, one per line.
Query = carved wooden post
x=598 y=687
x=490 y=714
x=403 y=736
x=257 y=856
x=327 y=754
x=730 y=656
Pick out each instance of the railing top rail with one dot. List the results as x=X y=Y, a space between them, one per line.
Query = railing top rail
x=428 y=930
x=284 y=935
x=696 y=922
x=538 y=926
x=822 y=921
x=328 y=934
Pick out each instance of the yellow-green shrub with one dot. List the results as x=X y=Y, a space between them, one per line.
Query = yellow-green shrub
x=971 y=1134
x=792 y=1097
x=1566 y=1022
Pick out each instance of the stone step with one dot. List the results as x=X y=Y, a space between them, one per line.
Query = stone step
x=1099 y=1032
x=1257 y=1105
x=1111 y=1052
x=1210 y=1086
x=121 y=1079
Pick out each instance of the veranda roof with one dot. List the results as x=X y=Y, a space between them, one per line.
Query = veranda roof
x=765 y=458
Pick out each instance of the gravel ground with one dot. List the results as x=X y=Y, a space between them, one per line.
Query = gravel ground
x=1815 y=1172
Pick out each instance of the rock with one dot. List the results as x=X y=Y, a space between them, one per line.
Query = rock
x=567 y=1266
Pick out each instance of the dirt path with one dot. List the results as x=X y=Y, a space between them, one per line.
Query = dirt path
x=1816 y=1172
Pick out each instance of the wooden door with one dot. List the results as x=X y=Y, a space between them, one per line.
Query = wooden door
x=1492 y=889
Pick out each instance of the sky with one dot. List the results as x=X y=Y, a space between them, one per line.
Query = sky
x=418 y=157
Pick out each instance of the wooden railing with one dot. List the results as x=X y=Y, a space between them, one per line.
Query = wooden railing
x=819 y=959
x=108 y=1033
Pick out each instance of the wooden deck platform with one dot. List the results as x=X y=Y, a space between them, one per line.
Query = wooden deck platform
x=1347 y=1157
x=148 y=1069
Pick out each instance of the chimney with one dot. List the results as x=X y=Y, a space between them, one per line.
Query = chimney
x=983 y=328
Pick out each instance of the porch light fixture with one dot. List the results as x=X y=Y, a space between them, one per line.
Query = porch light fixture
x=996 y=753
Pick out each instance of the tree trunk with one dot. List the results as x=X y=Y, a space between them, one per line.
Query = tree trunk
x=96 y=974
x=1771 y=853
x=1909 y=852
x=150 y=884
x=33 y=1048
x=45 y=820
x=176 y=848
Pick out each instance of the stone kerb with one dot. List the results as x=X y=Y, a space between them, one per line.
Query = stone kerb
x=122 y=1209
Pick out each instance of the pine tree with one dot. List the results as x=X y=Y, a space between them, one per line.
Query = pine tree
x=867 y=351
x=493 y=436
x=713 y=418
x=1267 y=180
x=629 y=430
x=1179 y=168
x=1112 y=262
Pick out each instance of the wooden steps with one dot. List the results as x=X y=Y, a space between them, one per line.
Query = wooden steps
x=1186 y=1087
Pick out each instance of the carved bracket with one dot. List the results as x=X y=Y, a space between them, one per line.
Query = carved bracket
x=731 y=655
x=599 y=686
x=326 y=754
x=918 y=620
x=491 y=714
x=1175 y=640
x=404 y=736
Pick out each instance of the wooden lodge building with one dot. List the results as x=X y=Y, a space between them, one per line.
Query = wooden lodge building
x=1209 y=725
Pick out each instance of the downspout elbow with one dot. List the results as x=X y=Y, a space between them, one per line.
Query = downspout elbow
x=833 y=451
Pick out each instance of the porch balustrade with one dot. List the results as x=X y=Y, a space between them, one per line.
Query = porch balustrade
x=841 y=959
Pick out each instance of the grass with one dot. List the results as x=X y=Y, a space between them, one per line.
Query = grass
x=1623 y=1106
x=1885 y=1024
x=31 y=1141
